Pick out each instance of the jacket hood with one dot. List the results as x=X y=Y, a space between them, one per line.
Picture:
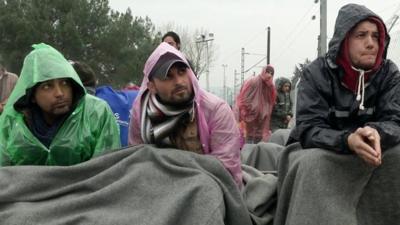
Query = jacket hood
x=42 y=64
x=348 y=17
x=161 y=50
x=280 y=82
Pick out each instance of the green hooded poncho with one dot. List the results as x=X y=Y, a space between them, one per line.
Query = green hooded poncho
x=87 y=131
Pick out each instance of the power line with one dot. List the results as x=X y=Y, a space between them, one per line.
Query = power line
x=251 y=67
x=261 y=32
x=390 y=7
x=292 y=41
x=288 y=36
x=291 y=31
x=247 y=42
x=231 y=54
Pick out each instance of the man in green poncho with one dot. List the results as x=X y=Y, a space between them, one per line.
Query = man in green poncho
x=49 y=119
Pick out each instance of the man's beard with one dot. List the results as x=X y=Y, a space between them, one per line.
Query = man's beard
x=176 y=104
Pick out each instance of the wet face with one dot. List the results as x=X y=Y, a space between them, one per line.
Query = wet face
x=54 y=97
x=266 y=76
x=286 y=87
x=171 y=42
x=176 y=88
x=364 y=45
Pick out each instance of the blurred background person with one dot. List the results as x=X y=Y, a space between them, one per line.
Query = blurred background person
x=254 y=104
x=172 y=39
x=87 y=76
x=120 y=102
x=7 y=84
x=282 y=112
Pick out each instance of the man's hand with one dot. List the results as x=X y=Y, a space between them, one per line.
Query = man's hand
x=366 y=143
x=288 y=118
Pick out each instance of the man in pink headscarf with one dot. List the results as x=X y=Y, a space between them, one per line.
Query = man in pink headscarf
x=254 y=104
x=171 y=110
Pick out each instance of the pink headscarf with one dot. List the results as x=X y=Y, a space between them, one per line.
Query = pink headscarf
x=256 y=101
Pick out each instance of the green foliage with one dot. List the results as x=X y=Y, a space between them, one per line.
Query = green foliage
x=114 y=44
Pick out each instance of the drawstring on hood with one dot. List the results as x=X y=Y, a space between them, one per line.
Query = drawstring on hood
x=355 y=78
x=361 y=86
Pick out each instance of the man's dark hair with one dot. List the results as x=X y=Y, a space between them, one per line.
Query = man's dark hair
x=174 y=36
x=85 y=73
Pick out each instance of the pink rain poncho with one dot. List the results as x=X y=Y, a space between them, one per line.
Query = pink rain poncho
x=254 y=104
x=219 y=134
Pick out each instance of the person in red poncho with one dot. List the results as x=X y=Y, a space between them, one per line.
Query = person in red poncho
x=254 y=106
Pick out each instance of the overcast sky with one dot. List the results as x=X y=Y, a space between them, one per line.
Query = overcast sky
x=243 y=23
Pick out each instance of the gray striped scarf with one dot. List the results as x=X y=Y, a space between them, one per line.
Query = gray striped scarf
x=158 y=121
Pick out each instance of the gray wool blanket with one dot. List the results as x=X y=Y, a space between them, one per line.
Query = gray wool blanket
x=316 y=186
x=137 y=185
x=259 y=195
x=280 y=136
x=259 y=165
x=263 y=156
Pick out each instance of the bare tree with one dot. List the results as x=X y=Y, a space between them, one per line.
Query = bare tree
x=298 y=70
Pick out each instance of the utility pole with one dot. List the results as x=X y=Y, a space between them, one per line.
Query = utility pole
x=242 y=68
x=268 y=44
x=235 y=83
x=224 y=94
x=205 y=39
x=322 y=32
x=208 y=69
